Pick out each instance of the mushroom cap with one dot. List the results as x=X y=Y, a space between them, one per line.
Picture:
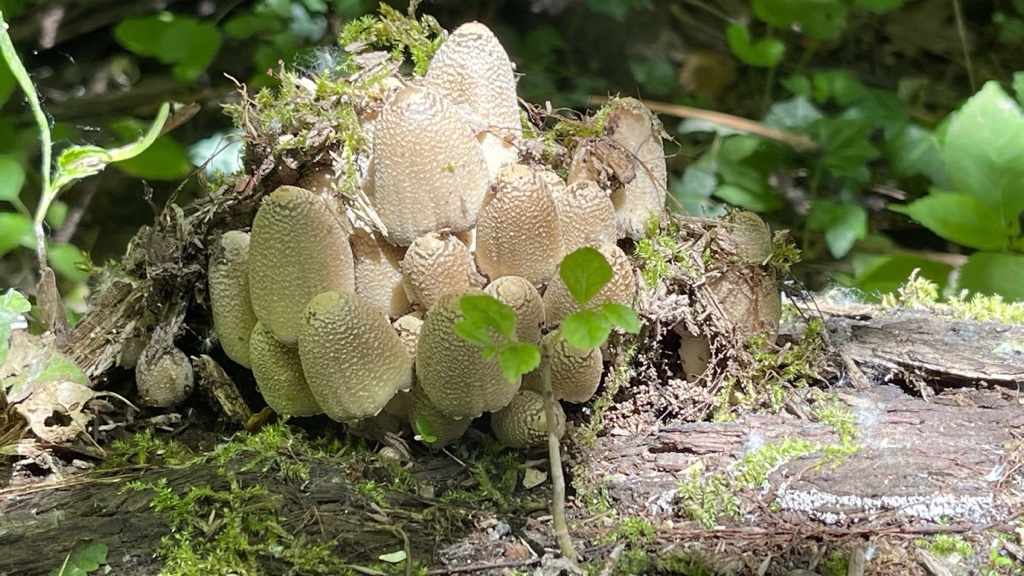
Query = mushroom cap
x=471 y=67
x=694 y=353
x=575 y=373
x=163 y=376
x=435 y=264
x=522 y=423
x=408 y=329
x=444 y=428
x=453 y=372
x=517 y=230
x=378 y=274
x=428 y=170
x=637 y=132
x=279 y=377
x=523 y=297
x=228 y=276
x=750 y=299
x=586 y=216
x=298 y=249
x=621 y=289
x=353 y=360
x=751 y=237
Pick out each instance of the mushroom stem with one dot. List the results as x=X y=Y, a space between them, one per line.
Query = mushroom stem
x=561 y=527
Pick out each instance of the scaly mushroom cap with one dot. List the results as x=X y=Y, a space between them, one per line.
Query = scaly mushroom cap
x=522 y=424
x=408 y=329
x=472 y=67
x=586 y=216
x=163 y=376
x=575 y=373
x=453 y=372
x=517 y=231
x=621 y=289
x=279 y=376
x=637 y=131
x=298 y=249
x=353 y=360
x=435 y=264
x=444 y=428
x=753 y=239
x=522 y=296
x=378 y=274
x=228 y=276
x=751 y=299
x=428 y=171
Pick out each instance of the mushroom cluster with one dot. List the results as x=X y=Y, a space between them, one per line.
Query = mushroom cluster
x=356 y=321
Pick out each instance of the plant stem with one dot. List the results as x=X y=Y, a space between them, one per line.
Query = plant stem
x=561 y=527
x=25 y=82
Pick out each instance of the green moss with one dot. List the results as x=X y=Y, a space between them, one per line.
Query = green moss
x=835 y=564
x=145 y=448
x=401 y=34
x=946 y=544
x=686 y=563
x=922 y=293
x=833 y=413
x=658 y=250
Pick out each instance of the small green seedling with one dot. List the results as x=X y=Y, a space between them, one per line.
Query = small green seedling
x=492 y=325
x=86 y=556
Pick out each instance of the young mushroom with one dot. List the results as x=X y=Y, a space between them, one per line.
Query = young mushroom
x=517 y=229
x=472 y=68
x=435 y=264
x=522 y=296
x=353 y=360
x=228 y=277
x=298 y=249
x=163 y=376
x=575 y=373
x=278 y=372
x=522 y=423
x=586 y=216
x=428 y=170
x=378 y=273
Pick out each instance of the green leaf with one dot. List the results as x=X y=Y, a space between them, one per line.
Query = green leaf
x=878 y=275
x=764 y=53
x=994 y=273
x=819 y=19
x=617 y=9
x=798 y=85
x=760 y=199
x=878 y=6
x=984 y=151
x=65 y=260
x=795 y=113
x=12 y=177
x=78 y=162
x=15 y=230
x=87 y=556
x=915 y=150
x=473 y=333
x=57 y=214
x=844 y=143
x=838 y=85
x=12 y=305
x=585 y=272
x=184 y=42
x=693 y=190
x=164 y=160
x=622 y=317
x=393 y=557
x=485 y=310
x=959 y=218
x=1018 y=86
x=586 y=329
x=424 y=430
x=518 y=358
x=843 y=224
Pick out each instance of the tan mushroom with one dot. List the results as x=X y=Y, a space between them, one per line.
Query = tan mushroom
x=522 y=296
x=378 y=274
x=586 y=216
x=456 y=377
x=636 y=132
x=163 y=376
x=408 y=329
x=279 y=376
x=472 y=68
x=575 y=373
x=298 y=249
x=228 y=276
x=621 y=289
x=428 y=170
x=522 y=424
x=435 y=264
x=353 y=360
x=442 y=427
x=517 y=230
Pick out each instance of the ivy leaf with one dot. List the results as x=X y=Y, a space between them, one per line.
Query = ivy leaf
x=87 y=556
x=763 y=53
x=518 y=358
x=984 y=151
x=795 y=113
x=485 y=311
x=843 y=224
x=586 y=329
x=994 y=273
x=844 y=144
x=584 y=272
x=622 y=317
x=12 y=305
x=959 y=218
x=884 y=274
x=915 y=150
x=819 y=19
